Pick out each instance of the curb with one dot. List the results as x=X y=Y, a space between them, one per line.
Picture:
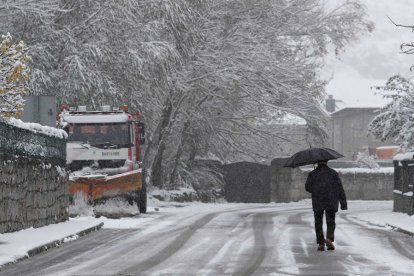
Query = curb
x=55 y=243
x=393 y=227
x=401 y=230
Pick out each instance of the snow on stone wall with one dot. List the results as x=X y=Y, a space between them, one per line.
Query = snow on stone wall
x=38 y=128
x=33 y=193
x=32 y=140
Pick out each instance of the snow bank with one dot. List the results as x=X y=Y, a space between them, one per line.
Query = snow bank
x=113 y=207
x=38 y=128
x=383 y=218
x=16 y=245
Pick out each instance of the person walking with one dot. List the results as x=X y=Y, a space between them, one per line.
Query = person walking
x=327 y=192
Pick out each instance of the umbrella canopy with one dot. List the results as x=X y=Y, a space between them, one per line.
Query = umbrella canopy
x=311 y=156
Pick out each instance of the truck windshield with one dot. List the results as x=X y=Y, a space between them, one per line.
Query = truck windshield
x=99 y=134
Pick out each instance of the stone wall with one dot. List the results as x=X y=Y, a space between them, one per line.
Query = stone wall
x=288 y=184
x=33 y=193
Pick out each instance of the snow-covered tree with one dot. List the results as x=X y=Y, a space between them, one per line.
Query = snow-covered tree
x=44 y=8
x=205 y=74
x=396 y=119
x=255 y=58
x=14 y=76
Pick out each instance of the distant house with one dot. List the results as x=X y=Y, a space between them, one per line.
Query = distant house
x=349 y=131
x=295 y=134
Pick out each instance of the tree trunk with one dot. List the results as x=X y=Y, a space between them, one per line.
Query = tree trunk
x=157 y=148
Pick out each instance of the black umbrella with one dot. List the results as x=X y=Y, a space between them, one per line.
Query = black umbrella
x=311 y=156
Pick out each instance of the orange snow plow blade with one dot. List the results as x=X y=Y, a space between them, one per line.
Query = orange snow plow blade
x=101 y=187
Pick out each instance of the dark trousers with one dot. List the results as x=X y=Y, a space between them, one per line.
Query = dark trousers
x=330 y=225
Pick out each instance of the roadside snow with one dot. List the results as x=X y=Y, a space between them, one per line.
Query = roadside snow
x=16 y=245
x=385 y=218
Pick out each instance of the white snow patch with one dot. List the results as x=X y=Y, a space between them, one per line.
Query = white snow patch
x=125 y=223
x=384 y=170
x=285 y=254
x=80 y=206
x=100 y=118
x=71 y=238
x=38 y=128
x=116 y=207
x=16 y=245
x=382 y=217
x=404 y=156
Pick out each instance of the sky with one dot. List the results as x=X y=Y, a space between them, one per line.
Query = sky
x=374 y=58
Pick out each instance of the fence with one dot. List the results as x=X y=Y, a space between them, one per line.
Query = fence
x=23 y=142
x=33 y=179
x=403 y=186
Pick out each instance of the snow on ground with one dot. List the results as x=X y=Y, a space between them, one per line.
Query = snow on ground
x=386 y=218
x=14 y=246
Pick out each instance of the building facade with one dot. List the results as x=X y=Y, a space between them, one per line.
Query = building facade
x=349 y=131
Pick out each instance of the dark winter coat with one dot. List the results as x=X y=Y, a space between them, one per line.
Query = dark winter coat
x=326 y=188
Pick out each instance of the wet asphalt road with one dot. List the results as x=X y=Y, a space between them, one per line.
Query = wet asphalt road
x=243 y=239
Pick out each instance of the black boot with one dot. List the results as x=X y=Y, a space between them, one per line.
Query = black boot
x=329 y=244
x=321 y=247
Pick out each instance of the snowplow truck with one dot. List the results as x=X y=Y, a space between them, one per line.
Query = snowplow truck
x=103 y=154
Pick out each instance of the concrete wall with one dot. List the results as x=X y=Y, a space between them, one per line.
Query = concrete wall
x=32 y=193
x=288 y=184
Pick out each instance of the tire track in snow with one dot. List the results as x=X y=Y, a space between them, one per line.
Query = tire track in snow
x=262 y=225
x=179 y=242
x=171 y=249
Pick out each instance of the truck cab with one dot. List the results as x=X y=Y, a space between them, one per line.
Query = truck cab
x=104 y=147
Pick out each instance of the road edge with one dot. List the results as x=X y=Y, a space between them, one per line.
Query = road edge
x=401 y=230
x=53 y=244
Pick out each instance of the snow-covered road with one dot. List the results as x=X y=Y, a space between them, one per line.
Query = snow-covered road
x=229 y=239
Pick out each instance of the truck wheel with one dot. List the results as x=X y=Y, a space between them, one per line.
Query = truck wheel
x=142 y=204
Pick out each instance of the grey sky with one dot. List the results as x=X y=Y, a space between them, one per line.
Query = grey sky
x=375 y=57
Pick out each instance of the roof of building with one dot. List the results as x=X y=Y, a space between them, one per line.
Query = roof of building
x=352 y=110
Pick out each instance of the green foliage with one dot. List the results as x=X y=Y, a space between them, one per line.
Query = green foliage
x=14 y=76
